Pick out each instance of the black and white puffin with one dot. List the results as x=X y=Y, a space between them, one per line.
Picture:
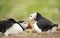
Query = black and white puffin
x=42 y=24
x=10 y=26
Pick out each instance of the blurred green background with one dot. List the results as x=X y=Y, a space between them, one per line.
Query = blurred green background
x=20 y=9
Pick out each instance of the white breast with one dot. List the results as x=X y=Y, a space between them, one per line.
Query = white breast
x=15 y=29
x=36 y=28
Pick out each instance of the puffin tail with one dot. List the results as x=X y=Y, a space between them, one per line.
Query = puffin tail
x=55 y=25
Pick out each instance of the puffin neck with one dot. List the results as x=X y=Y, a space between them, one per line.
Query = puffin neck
x=21 y=27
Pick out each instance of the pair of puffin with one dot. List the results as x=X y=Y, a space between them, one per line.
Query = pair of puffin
x=10 y=26
x=41 y=24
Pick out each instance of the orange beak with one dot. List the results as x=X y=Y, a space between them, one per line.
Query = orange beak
x=29 y=26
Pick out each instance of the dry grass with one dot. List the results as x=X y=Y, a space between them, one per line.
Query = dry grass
x=35 y=35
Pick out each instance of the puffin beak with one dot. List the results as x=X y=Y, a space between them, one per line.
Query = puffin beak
x=32 y=21
x=29 y=26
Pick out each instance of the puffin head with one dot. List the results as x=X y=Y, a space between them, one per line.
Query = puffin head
x=23 y=24
x=34 y=16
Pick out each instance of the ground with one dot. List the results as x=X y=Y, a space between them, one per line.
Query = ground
x=35 y=35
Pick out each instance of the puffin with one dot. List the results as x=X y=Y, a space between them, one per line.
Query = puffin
x=10 y=26
x=42 y=24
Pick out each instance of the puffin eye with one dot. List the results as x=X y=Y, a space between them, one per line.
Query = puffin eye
x=24 y=23
x=30 y=16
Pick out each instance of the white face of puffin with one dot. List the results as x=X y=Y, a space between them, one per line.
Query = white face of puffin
x=24 y=25
x=32 y=16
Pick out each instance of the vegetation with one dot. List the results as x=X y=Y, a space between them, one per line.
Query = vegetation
x=20 y=9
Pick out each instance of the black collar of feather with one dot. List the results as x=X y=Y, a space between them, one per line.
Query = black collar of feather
x=21 y=27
